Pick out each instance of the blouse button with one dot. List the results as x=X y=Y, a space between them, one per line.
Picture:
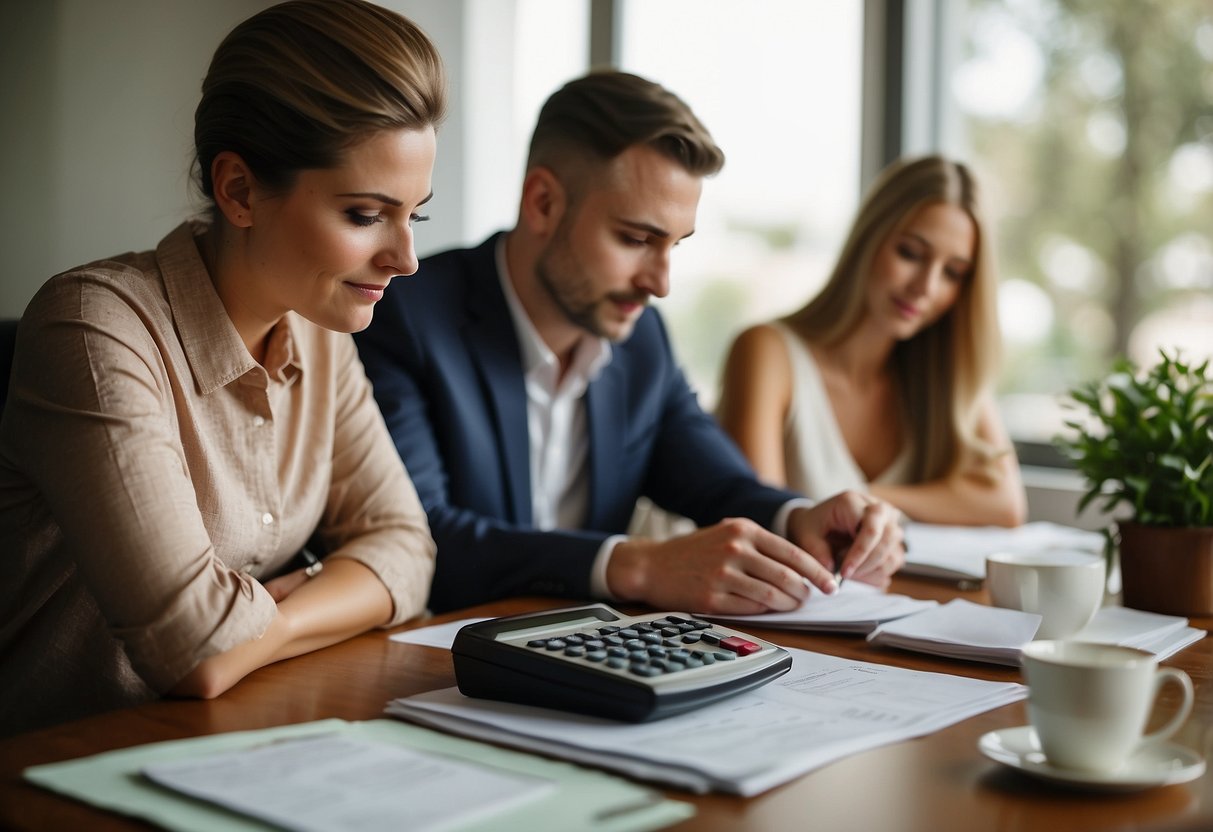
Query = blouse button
x=258 y=421
x=267 y=519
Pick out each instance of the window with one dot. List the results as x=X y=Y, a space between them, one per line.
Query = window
x=778 y=85
x=1093 y=122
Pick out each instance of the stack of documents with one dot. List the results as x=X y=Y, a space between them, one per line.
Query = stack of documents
x=959 y=552
x=1162 y=635
x=824 y=709
x=963 y=630
x=379 y=774
x=856 y=608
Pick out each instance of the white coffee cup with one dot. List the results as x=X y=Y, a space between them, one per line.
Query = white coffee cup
x=1089 y=703
x=1064 y=586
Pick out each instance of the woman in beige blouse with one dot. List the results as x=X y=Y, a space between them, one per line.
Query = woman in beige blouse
x=884 y=380
x=182 y=421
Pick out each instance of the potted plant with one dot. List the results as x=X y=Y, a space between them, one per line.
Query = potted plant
x=1146 y=444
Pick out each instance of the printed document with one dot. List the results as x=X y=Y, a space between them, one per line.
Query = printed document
x=856 y=608
x=330 y=782
x=961 y=629
x=825 y=708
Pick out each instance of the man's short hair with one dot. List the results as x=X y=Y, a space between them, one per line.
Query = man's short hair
x=602 y=114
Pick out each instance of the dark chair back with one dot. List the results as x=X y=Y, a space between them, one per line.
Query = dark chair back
x=8 y=345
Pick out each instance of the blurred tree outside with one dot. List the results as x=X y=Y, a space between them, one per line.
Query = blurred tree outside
x=1093 y=119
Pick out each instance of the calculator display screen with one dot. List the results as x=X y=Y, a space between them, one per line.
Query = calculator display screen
x=556 y=626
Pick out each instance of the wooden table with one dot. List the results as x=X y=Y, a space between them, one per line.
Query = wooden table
x=938 y=782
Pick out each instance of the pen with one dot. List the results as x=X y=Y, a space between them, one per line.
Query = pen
x=838 y=572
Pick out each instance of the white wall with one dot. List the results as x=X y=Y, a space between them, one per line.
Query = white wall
x=96 y=120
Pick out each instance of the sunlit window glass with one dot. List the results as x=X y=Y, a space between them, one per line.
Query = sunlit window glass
x=1094 y=118
x=778 y=84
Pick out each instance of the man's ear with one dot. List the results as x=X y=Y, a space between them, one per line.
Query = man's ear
x=232 y=183
x=544 y=201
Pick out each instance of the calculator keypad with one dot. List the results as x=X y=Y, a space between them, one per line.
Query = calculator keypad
x=650 y=648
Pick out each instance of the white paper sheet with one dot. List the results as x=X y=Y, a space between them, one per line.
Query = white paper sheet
x=961 y=629
x=959 y=552
x=328 y=782
x=439 y=635
x=856 y=608
x=824 y=709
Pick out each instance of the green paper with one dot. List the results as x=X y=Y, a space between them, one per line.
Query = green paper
x=585 y=799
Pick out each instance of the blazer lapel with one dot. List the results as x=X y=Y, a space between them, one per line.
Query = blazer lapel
x=493 y=345
x=606 y=412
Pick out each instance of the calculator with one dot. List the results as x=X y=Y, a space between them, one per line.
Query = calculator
x=594 y=660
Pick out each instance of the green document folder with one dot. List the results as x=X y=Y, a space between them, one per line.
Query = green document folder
x=584 y=799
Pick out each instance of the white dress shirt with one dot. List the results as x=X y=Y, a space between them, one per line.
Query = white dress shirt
x=556 y=424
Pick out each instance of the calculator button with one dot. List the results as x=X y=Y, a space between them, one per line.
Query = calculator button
x=670 y=631
x=634 y=644
x=687 y=628
x=616 y=662
x=537 y=642
x=679 y=655
x=643 y=627
x=700 y=625
x=670 y=642
x=639 y=656
x=674 y=619
x=594 y=644
x=628 y=632
x=556 y=644
x=616 y=651
x=573 y=639
x=646 y=670
x=692 y=662
x=724 y=657
x=595 y=655
x=658 y=652
x=690 y=638
x=711 y=636
x=739 y=645
x=659 y=664
x=614 y=641
x=706 y=658
x=650 y=638
x=575 y=651
x=608 y=631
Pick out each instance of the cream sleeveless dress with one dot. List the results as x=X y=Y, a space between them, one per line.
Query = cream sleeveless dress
x=817 y=461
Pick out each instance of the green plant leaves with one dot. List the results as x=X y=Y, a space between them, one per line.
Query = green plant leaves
x=1145 y=439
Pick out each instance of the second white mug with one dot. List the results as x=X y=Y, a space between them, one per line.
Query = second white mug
x=1065 y=587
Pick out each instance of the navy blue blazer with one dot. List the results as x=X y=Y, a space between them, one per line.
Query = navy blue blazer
x=443 y=357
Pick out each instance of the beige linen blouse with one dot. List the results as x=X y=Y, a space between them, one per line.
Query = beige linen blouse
x=152 y=474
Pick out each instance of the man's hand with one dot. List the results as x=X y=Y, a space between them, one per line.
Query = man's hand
x=859 y=534
x=734 y=567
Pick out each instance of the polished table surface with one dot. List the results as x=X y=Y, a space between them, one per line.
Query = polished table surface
x=937 y=782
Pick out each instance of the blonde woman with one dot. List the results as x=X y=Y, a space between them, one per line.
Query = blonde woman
x=883 y=381
x=181 y=422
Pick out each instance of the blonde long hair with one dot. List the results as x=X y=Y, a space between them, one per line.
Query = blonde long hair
x=943 y=373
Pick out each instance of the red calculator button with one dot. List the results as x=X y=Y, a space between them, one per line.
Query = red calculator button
x=739 y=645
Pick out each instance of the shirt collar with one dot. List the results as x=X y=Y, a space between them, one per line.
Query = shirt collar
x=591 y=356
x=216 y=354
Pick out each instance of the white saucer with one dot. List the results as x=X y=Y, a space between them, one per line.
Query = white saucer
x=1159 y=764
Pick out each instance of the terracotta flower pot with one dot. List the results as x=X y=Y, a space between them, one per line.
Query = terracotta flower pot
x=1167 y=569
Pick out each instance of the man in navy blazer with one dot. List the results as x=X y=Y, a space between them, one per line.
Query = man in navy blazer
x=534 y=397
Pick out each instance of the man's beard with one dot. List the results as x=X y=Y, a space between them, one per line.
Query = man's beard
x=564 y=279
